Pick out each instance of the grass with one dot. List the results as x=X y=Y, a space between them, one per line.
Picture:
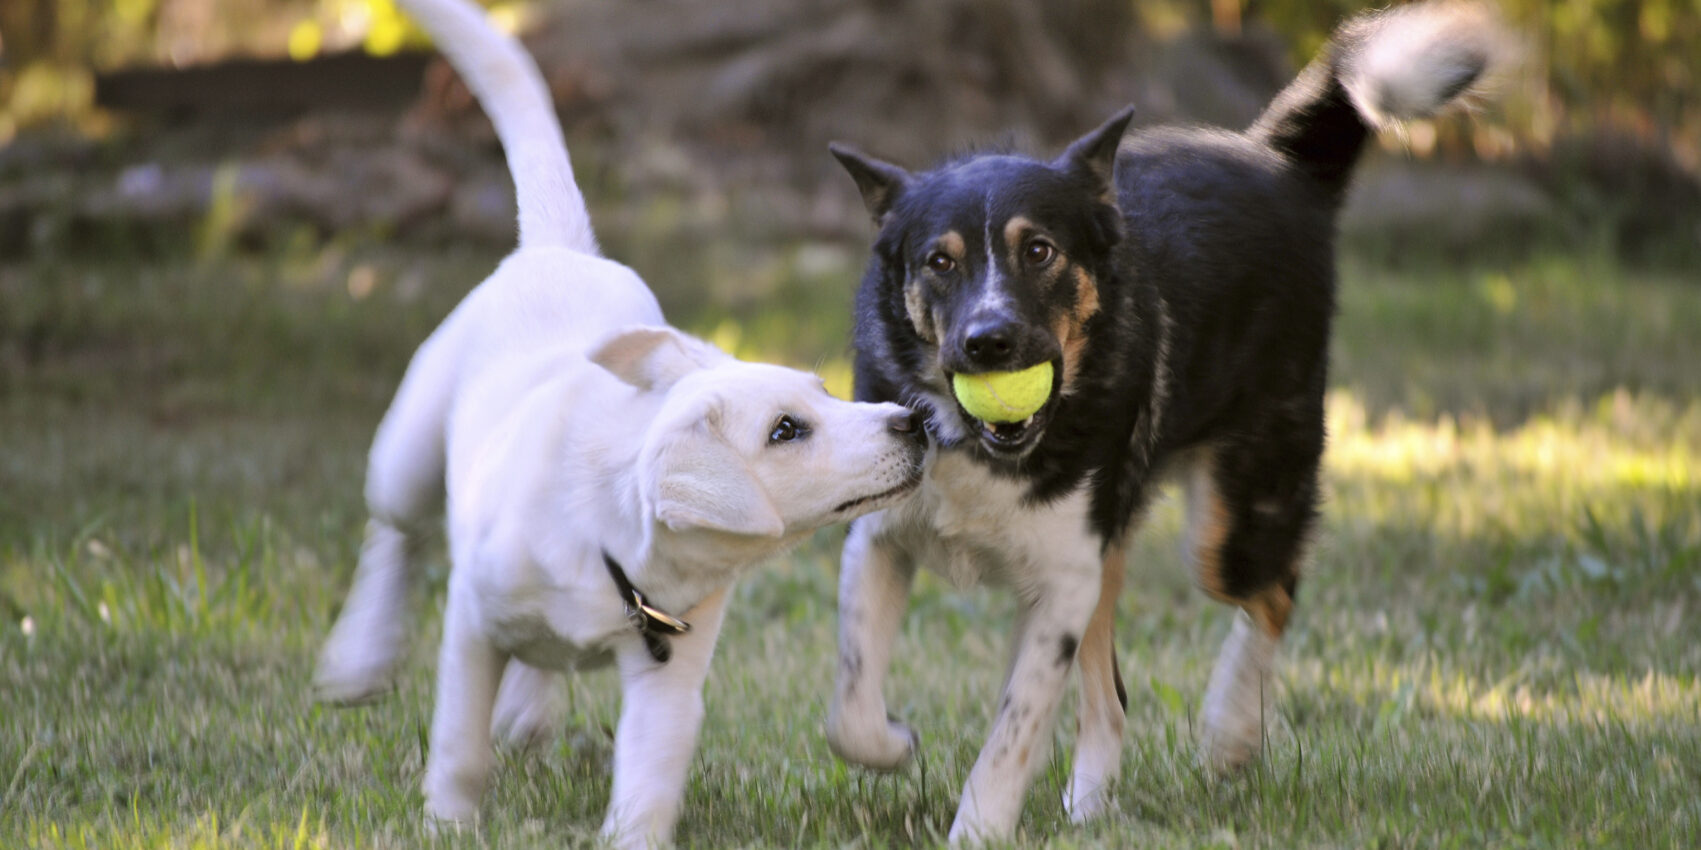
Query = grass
x=1497 y=643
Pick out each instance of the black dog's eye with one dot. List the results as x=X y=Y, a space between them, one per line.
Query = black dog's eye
x=1039 y=252
x=940 y=262
x=787 y=430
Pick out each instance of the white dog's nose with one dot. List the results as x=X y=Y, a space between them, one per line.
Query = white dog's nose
x=907 y=424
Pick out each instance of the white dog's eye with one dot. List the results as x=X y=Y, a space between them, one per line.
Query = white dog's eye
x=787 y=430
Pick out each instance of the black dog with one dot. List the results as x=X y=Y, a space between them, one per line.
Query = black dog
x=1181 y=283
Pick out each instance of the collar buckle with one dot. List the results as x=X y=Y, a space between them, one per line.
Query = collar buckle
x=654 y=624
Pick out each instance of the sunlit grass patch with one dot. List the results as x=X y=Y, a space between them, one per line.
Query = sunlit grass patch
x=1471 y=478
x=206 y=833
x=1654 y=699
x=88 y=585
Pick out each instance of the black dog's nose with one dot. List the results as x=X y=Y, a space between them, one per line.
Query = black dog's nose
x=989 y=344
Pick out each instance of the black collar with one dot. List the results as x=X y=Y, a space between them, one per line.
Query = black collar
x=653 y=623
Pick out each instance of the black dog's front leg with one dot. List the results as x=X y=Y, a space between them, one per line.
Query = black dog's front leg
x=874 y=587
x=1054 y=615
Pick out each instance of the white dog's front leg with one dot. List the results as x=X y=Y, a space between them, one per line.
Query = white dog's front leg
x=874 y=586
x=660 y=716
x=1054 y=616
x=468 y=670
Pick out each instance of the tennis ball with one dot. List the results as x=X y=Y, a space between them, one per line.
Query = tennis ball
x=1004 y=396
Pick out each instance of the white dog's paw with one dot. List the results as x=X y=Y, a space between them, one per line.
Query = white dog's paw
x=351 y=678
x=530 y=707
x=884 y=745
x=451 y=800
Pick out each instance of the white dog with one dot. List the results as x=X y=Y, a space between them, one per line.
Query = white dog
x=600 y=469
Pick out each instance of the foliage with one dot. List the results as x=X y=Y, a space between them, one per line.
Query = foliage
x=52 y=48
x=1630 y=64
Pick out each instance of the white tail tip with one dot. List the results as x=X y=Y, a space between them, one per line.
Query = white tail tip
x=1412 y=61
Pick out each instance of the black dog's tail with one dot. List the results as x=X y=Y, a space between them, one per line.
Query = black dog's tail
x=1378 y=69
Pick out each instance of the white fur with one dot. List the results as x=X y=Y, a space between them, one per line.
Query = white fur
x=943 y=420
x=973 y=527
x=1412 y=56
x=507 y=84
x=562 y=419
x=995 y=293
x=1238 y=699
x=1098 y=759
x=1100 y=715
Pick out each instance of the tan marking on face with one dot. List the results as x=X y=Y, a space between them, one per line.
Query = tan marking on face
x=1072 y=343
x=951 y=242
x=939 y=371
x=1086 y=296
x=915 y=303
x=1014 y=229
x=915 y=299
x=1071 y=327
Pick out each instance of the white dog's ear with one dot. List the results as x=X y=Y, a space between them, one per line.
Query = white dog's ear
x=653 y=358
x=700 y=481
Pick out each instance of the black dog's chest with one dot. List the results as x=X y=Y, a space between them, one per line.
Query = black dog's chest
x=974 y=526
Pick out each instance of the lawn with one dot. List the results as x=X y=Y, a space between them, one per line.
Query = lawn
x=1497 y=643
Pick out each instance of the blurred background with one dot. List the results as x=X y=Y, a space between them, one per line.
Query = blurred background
x=158 y=127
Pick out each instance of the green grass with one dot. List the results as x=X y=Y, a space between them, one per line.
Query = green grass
x=1497 y=644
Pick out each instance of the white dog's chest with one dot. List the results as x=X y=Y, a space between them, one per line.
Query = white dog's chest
x=553 y=628
x=974 y=527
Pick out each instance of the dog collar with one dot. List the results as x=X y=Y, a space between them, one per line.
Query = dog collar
x=654 y=624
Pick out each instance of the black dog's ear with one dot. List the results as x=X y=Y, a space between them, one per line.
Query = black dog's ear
x=1095 y=153
x=879 y=182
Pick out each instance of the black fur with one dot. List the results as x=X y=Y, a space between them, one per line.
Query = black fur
x=1066 y=650
x=1116 y=676
x=1212 y=256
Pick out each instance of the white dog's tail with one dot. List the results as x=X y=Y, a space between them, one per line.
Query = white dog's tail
x=507 y=83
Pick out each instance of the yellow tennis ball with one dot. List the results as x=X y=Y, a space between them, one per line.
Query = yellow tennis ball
x=1004 y=396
